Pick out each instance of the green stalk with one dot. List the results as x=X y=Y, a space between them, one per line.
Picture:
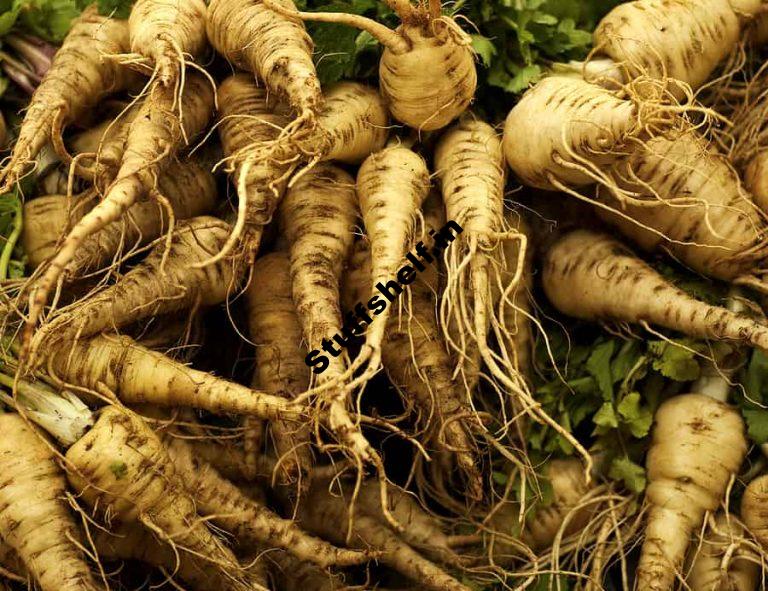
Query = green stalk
x=10 y=244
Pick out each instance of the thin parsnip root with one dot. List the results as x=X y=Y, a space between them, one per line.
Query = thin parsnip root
x=153 y=287
x=421 y=530
x=689 y=201
x=35 y=519
x=698 y=445
x=391 y=187
x=76 y=82
x=326 y=514
x=138 y=375
x=592 y=276
x=722 y=562
x=189 y=189
x=250 y=522
x=469 y=162
x=516 y=305
x=427 y=71
x=586 y=129
x=275 y=48
x=121 y=467
x=156 y=135
x=135 y=542
x=317 y=216
x=567 y=513
x=165 y=32
x=280 y=367
x=418 y=365
x=677 y=41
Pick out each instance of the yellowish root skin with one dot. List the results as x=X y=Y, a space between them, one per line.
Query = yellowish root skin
x=698 y=446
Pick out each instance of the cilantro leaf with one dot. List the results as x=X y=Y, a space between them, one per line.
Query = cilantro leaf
x=630 y=473
x=606 y=416
x=675 y=360
x=115 y=8
x=757 y=424
x=599 y=367
x=636 y=416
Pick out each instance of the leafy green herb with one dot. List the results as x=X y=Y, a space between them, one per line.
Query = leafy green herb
x=115 y=8
x=753 y=398
x=630 y=473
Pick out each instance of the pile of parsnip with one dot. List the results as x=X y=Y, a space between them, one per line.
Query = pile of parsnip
x=374 y=278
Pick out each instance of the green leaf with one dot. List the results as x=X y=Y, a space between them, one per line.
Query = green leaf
x=485 y=48
x=631 y=474
x=606 y=416
x=9 y=13
x=599 y=367
x=637 y=417
x=49 y=19
x=115 y=8
x=757 y=424
x=756 y=376
x=675 y=361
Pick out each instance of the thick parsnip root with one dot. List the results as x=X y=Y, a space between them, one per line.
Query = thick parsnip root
x=317 y=216
x=353 y=124
x=35 y=519
x=138 y=375
x=189 y=189
x=469 y=162
x=280 y=367
x=151 y=288
x=698 y=445
x=586 y=128
x=45 y=219
x=721 y=562
x=689 y=201
x=420 y=367
x=328 y=515
x=678 y=41
x=246 y=119
x=275 y=48
x=156 y=135
x=427 y=71
x=391 y=187
x=250 y=522
x=135 y=542
x=754 y=509
x=78 y=79
x=121 y=467
x=164 y=32
x=594 y=277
